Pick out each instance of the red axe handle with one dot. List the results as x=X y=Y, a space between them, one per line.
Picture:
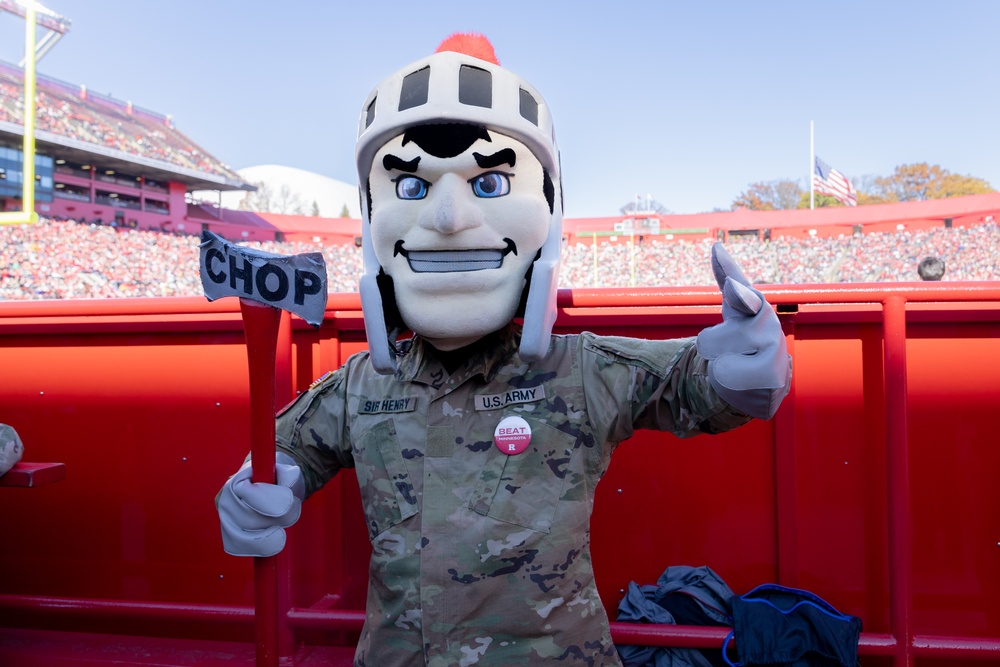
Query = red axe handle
x=268 y=285
x=260 y=324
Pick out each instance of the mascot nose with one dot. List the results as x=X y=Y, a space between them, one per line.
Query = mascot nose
x=450 y=209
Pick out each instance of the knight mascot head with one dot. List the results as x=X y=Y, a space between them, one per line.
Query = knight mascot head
x=461 y=204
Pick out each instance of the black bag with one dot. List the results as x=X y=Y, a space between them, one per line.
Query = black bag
x=776 y=626
x=683 y=595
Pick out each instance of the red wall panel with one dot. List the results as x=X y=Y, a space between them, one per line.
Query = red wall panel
x=146 y=402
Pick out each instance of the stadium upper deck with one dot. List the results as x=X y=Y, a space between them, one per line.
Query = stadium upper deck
x=81 y=125
x=101 y=158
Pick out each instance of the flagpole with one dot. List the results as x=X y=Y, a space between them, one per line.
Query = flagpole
x=812 y=167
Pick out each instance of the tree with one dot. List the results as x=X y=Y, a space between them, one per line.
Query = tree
x=770 y=196
x=909 y=182
x=344 y=212
x=257 y=200
x=953 y=185
x=819 y=201
x=866 y=189
x=266 y=200
x=288 y=202
x=315 y=209
x=921 y=181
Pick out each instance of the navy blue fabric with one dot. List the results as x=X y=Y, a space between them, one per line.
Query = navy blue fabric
x=682 y=595
x=776 y=626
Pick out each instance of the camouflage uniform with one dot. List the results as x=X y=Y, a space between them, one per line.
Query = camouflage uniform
x=480 y=558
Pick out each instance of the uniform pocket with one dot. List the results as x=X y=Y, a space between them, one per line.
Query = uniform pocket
x=387 y=493
x=525 y=489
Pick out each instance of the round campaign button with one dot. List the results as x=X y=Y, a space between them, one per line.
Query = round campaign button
x=512 y=435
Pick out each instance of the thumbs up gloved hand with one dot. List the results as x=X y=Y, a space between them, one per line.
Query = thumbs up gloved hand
x=748 y=361
x=253 y=515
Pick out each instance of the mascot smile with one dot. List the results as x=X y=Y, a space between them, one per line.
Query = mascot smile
x=447 y=261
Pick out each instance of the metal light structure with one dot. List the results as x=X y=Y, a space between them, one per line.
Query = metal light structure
x=56 y=25
x=27 y=213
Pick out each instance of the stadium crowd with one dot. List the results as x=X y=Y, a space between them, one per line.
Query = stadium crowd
x=109 y=124
x=64 y=259
x=971 y=253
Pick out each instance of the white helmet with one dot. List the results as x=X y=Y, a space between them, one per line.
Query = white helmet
x=452 y=87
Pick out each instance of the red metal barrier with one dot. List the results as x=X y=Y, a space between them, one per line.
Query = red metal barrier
x=872 y=487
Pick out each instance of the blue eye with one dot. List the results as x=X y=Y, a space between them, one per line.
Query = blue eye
x=492 y=184
x=411 y=187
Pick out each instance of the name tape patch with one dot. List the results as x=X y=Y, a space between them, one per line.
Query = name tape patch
x=494 y=401
x=371 y=406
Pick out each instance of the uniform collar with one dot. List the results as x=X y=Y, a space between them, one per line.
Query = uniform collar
x=420 y=361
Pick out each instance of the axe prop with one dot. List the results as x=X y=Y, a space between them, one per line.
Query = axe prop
x=266 y=284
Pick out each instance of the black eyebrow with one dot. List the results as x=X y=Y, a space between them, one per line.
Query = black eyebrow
x=391 y=162
x=505 y=156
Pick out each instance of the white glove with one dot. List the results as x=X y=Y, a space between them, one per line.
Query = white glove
x=749 y=365
x=254 y=515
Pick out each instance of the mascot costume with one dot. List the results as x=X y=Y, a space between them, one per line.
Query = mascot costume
x=478 y=442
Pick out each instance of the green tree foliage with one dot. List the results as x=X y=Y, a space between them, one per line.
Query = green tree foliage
x=954 y=185
x=819 y=201
x=770 y=196
x=909 y=182
x=921 y=181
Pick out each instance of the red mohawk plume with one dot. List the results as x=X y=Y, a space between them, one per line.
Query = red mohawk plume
x=471 y=44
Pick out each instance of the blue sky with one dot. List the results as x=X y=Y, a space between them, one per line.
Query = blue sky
x=688 y=102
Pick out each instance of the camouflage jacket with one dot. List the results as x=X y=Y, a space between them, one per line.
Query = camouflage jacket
x=480 y=557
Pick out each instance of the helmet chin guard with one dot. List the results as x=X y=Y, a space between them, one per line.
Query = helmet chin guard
x=450 y=87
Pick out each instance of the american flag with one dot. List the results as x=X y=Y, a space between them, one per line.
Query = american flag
x=829 y=181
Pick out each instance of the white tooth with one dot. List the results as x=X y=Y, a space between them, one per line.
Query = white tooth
x=446 y=261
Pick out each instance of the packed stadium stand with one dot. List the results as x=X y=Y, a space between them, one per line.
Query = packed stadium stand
x=73 y=112
x=67 y=259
